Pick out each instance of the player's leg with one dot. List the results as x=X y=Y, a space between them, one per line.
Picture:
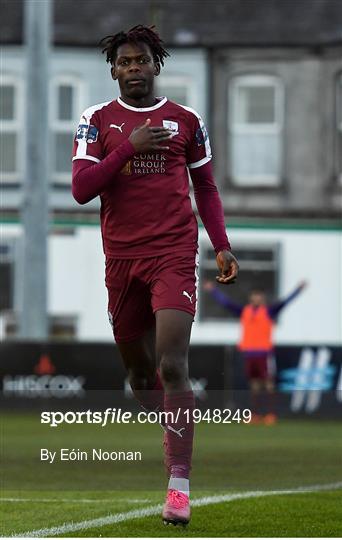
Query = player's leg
x=139 y=358
x=173 y=289
x=133 y=323
x=271 y=416
x=267 y=374
x=172 y=345
x=256 y=385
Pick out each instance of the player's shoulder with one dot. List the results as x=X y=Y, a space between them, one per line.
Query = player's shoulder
x=89 y=112
x=184 y=110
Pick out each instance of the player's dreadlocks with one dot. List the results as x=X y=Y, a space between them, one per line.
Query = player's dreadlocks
x=147 y=34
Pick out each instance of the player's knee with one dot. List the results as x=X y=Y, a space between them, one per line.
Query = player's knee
x=269 y=385
x=141 y=380
x=255 y=386
x=173 y=369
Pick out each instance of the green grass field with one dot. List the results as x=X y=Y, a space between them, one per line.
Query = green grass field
x=284 y=480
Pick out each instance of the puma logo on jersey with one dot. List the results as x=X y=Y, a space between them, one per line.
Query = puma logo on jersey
x=117 y=127
x=177 y=431
x=171 y=126
x=184 y=293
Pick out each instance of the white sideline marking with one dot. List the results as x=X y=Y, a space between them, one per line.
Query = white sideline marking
x=153 y=510
x=12 y=499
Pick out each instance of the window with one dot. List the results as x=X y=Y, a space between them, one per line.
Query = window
x=62 y=327
x=339 y=128
x=66 y=107
x=6 y=276
x=255 y=130
x=259 y=268
x=178 y=88
x=11 y=127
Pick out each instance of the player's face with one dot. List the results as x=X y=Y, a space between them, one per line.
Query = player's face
x=135 y=69
x=257 y=299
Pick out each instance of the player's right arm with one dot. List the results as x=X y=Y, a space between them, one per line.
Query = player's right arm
x=88 y=179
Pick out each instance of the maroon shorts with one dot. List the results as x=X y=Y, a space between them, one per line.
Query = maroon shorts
x=137 y=288
x=260 y=366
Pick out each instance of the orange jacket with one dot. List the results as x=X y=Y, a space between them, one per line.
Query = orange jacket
x=256 y=325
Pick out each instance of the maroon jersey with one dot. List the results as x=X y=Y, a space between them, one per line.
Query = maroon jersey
x=147 y=209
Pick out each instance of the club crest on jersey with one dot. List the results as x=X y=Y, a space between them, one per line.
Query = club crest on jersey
x=172 y=126
x=201 y=135
x=92 y=134
x=82 y=132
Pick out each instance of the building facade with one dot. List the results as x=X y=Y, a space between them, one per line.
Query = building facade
x=267 y=80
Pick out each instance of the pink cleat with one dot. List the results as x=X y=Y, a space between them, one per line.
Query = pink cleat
x=176 y=508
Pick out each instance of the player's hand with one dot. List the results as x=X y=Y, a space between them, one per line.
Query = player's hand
x=228 y=267
x=302 y=285
x=208 y=286
x=145 y=138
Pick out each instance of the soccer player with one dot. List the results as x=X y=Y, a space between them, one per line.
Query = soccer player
x=135 y=153
x=256 y=344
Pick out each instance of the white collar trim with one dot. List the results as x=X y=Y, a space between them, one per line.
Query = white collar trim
x=160 y=103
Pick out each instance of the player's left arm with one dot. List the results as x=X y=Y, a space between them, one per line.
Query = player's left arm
x=274 y=309
x=210 y=209
x=209 y=205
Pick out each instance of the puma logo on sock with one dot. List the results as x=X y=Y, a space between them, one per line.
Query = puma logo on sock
x=177 y=431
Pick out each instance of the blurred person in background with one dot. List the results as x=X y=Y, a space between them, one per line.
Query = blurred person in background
x=257 y=320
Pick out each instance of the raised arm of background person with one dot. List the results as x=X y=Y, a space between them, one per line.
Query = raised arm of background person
x=226 y=302
x=209 y=206
x=274 y=309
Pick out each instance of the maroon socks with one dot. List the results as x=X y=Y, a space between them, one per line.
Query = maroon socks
x=180 y=432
